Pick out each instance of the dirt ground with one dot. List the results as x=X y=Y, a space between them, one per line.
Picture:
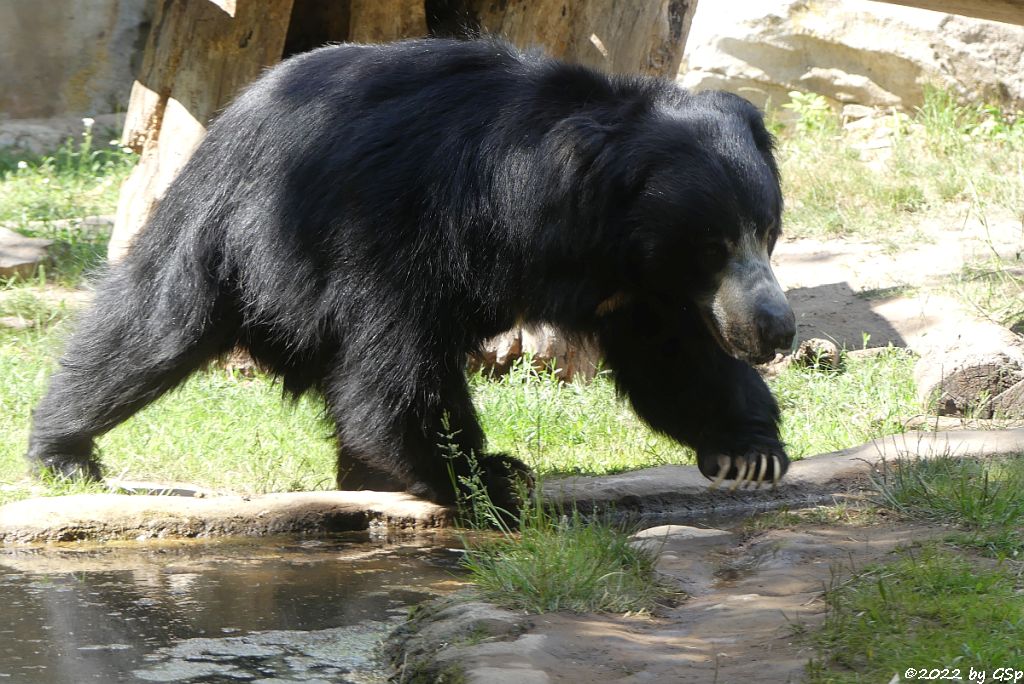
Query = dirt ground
x=842 y=289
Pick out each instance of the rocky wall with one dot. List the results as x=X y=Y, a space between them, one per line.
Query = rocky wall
x=852 y=52
x=69 y=58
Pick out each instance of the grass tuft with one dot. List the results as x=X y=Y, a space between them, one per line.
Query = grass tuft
x=965 y=492
x=564 y=563
x=545 y=560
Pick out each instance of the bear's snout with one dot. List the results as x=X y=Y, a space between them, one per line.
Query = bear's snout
x=775 y=324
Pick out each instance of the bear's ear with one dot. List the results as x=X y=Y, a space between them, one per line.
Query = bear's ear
x=728 y=103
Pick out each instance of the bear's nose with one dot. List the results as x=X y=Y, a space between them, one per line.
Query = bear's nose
x=776 y=325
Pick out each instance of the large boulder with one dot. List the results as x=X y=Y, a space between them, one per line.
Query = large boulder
x=852 y=52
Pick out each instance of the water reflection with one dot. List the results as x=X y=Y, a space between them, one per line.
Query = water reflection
x=210 y=611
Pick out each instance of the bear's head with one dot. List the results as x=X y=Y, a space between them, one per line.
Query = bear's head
x=706 y=219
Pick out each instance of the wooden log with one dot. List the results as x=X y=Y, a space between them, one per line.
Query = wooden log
x=382 y=21
x=975 y=370
x=622 y=37
x=1009 y=11
x=316 y=23
x=198 y=56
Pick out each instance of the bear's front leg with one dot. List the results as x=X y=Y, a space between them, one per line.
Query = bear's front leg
x=682 y=384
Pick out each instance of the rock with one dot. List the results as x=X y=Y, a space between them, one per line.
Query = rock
x=965 y=369
x=44 y=136
x=682 y=492
x=21 y=256
x=763 y=49
x=435 y=642
x=817 y=353
x=679 y=533
x=683 y=553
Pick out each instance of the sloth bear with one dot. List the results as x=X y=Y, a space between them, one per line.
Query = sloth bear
x=363 y=216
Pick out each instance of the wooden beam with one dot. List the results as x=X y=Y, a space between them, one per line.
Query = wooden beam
x=1009 y=11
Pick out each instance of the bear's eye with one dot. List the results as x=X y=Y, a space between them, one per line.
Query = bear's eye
x=713 y=251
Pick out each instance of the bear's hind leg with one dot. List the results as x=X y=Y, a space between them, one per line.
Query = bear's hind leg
x=127 y=350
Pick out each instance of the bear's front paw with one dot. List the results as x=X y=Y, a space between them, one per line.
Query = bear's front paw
x=752 y=468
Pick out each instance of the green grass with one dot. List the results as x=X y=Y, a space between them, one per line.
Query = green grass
x=80 y=179
x=835 y=186
x=826 y=410
x=563 y=563
x=994 y=288
x=931 y=608
x=964 y=492
x=541 y=559
x=583 y=428
x=221 y=430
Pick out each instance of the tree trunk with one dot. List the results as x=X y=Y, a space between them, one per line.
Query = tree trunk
x=201 y=52
x=382 y=21
x=198 y=56
x=617 y=37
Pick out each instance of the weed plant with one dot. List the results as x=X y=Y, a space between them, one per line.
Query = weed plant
x=932 y=608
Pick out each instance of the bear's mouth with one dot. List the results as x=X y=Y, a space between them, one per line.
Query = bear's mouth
x=713 y=327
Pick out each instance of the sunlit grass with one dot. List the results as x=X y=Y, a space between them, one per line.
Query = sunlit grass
x=47 y=196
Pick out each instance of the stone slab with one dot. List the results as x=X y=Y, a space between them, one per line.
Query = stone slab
x=667 y=491
x=119 y=516
x=20 y=255
x=681 y=491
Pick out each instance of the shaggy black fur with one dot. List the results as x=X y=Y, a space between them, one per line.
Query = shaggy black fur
x=362 y=217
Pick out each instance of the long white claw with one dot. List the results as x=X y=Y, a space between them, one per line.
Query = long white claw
x=763 y=461
x=740 y=475
x=776 y=471
x=752 y=474
x=723 y=469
